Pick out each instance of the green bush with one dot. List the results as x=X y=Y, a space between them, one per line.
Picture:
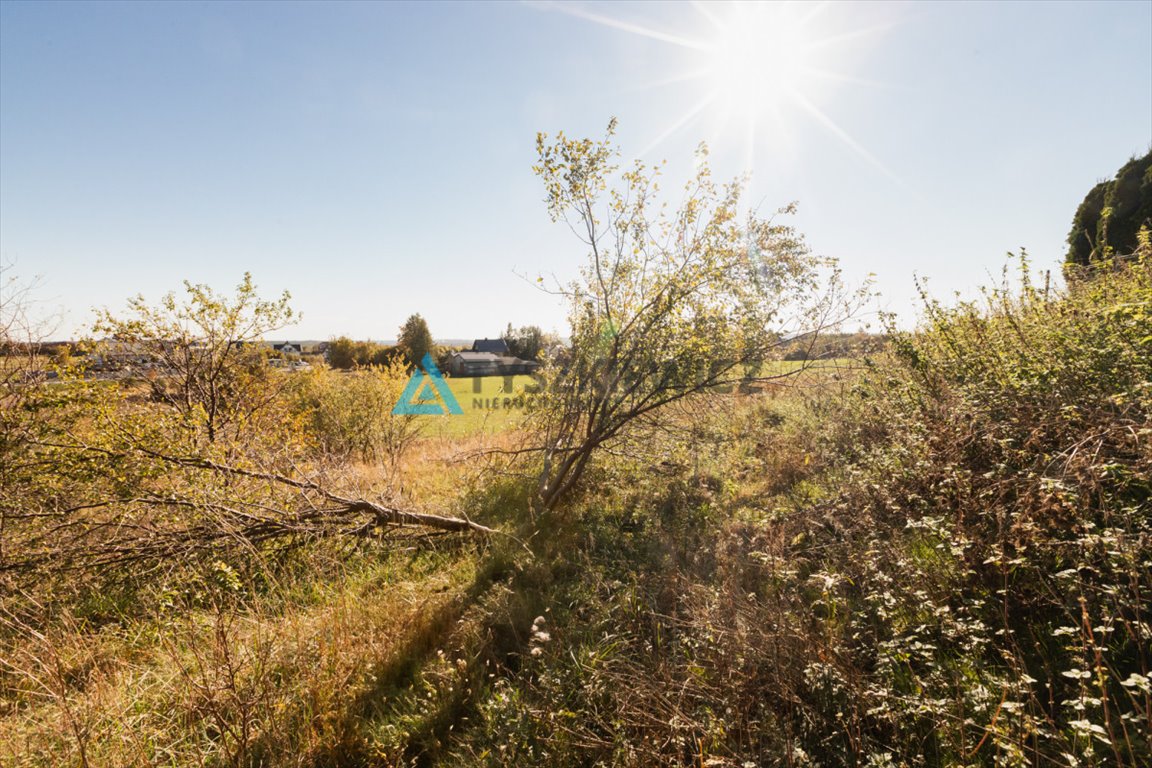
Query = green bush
x=1107 y=223
x=992 y=551
x=958 y=575
x=349 y=415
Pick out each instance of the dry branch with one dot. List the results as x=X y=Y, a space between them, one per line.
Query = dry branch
x=156 y=527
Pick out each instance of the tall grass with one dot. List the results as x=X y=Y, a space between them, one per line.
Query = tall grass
x=950 y=563
x=942 y=556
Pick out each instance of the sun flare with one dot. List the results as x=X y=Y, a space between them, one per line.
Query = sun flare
x=765 y=69
x=758 y=59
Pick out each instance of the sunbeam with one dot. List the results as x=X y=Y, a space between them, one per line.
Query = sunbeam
x=762 y=66
x=844 y=136
x=625 y=26
x=676 y=125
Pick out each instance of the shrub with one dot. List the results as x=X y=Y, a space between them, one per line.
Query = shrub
x=990 y=551
x=350 y=415
x=958 y=576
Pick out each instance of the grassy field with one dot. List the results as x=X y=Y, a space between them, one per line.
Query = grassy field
x=490 y=403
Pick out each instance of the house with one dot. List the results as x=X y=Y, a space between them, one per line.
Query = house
x=514 y=366
x=488 y=363
x=113 y=353
x=474 y=364
x=495 y=346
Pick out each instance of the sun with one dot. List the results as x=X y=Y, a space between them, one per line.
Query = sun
x=759 y=58
x=763 y=68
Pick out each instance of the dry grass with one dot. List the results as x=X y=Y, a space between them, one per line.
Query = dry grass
x=222 y=683
x=347 y=657
x=285 y=669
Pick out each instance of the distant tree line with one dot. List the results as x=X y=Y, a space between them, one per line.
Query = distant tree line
x=826 y=346
x=528 y=342
x=345 y=354
x=414 y=341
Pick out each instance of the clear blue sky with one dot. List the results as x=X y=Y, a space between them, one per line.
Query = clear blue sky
x=375 y=158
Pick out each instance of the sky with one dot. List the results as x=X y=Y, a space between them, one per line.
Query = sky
x=375 y=159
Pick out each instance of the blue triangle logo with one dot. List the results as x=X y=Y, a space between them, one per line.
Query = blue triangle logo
x=427 y=394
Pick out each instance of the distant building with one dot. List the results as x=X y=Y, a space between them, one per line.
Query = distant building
x=289 y=348
x=477 y=363
x=515 y=366
x=113 y=353
x=495 y=346
x=474 y=364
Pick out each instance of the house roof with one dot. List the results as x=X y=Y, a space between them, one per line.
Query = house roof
x=497 y=346
x=477 y=357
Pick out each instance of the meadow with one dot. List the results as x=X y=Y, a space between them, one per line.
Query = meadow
x=814 y=574
x=936 y=551
x=491 y=404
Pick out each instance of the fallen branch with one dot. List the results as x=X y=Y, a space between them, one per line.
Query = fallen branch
x=400 y=517
x=159 y=527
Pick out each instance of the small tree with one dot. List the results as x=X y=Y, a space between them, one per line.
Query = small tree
x=528 y=341
x=667 y=307
x=415 y=339
x=383 y=356
x=345 y=354
x=342 y=353
x=24 y=417
x=352 y=415
x=209 y=369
